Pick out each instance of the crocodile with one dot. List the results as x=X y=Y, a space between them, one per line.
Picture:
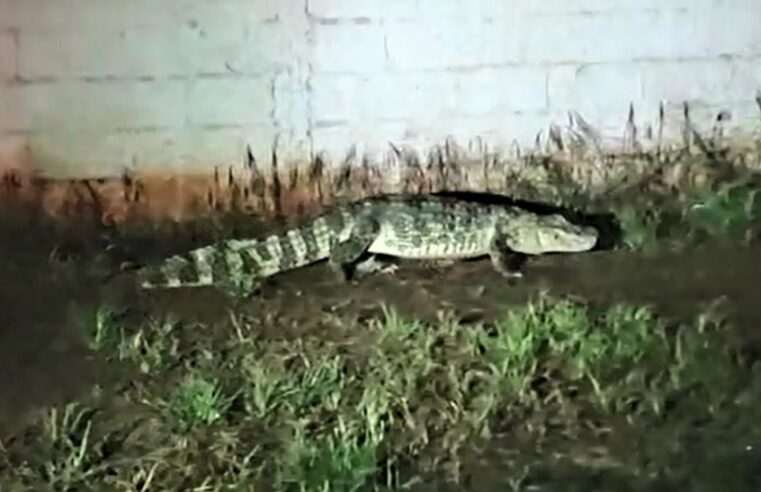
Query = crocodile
x=423 y=228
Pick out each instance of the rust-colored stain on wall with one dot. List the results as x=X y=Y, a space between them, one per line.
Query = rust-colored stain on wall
x=276 y=189
x=273 y=189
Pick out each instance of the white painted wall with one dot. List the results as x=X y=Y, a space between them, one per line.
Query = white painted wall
x=91 y=87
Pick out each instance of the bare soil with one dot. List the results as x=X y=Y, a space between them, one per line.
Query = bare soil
x=43 y=359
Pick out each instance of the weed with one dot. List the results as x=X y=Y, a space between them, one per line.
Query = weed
x=269 y=388
x=68 y=435
x=732 y=211
x=150 y=346
x=341 y=461
x=414 y=399
x=101 y=328
x=729 y=212
x=320 y=383
x=639 y=227
x=197 y=402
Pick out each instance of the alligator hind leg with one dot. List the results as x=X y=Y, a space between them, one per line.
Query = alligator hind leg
x=507 y=262
x=345 y=255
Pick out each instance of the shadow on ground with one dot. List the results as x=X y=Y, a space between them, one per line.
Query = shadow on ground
x=676 y=283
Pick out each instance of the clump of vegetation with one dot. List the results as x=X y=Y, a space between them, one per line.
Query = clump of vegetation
x=196 y=402
x=732 y=210
x=638 y=230
x=152 y=345
x=400 y=402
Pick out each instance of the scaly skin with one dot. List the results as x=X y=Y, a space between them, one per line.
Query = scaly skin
x=430 y=228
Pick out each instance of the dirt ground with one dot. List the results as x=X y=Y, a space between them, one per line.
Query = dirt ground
x=43 y=360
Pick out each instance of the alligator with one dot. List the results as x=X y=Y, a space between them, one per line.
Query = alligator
x=431 y=228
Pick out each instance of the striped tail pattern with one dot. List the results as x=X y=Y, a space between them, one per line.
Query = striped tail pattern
x=241 y=262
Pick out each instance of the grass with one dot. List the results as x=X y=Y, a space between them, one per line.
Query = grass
x=728 y=212
x=731 y=210
x=68 y=433
x=197 y=402
x=397 y=404
x=150 y=346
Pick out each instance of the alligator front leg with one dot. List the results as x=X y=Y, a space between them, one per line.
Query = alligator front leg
x=506 y=261
x=345 y=255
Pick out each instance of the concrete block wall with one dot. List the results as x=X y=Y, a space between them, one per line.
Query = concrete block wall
x=93 y=87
